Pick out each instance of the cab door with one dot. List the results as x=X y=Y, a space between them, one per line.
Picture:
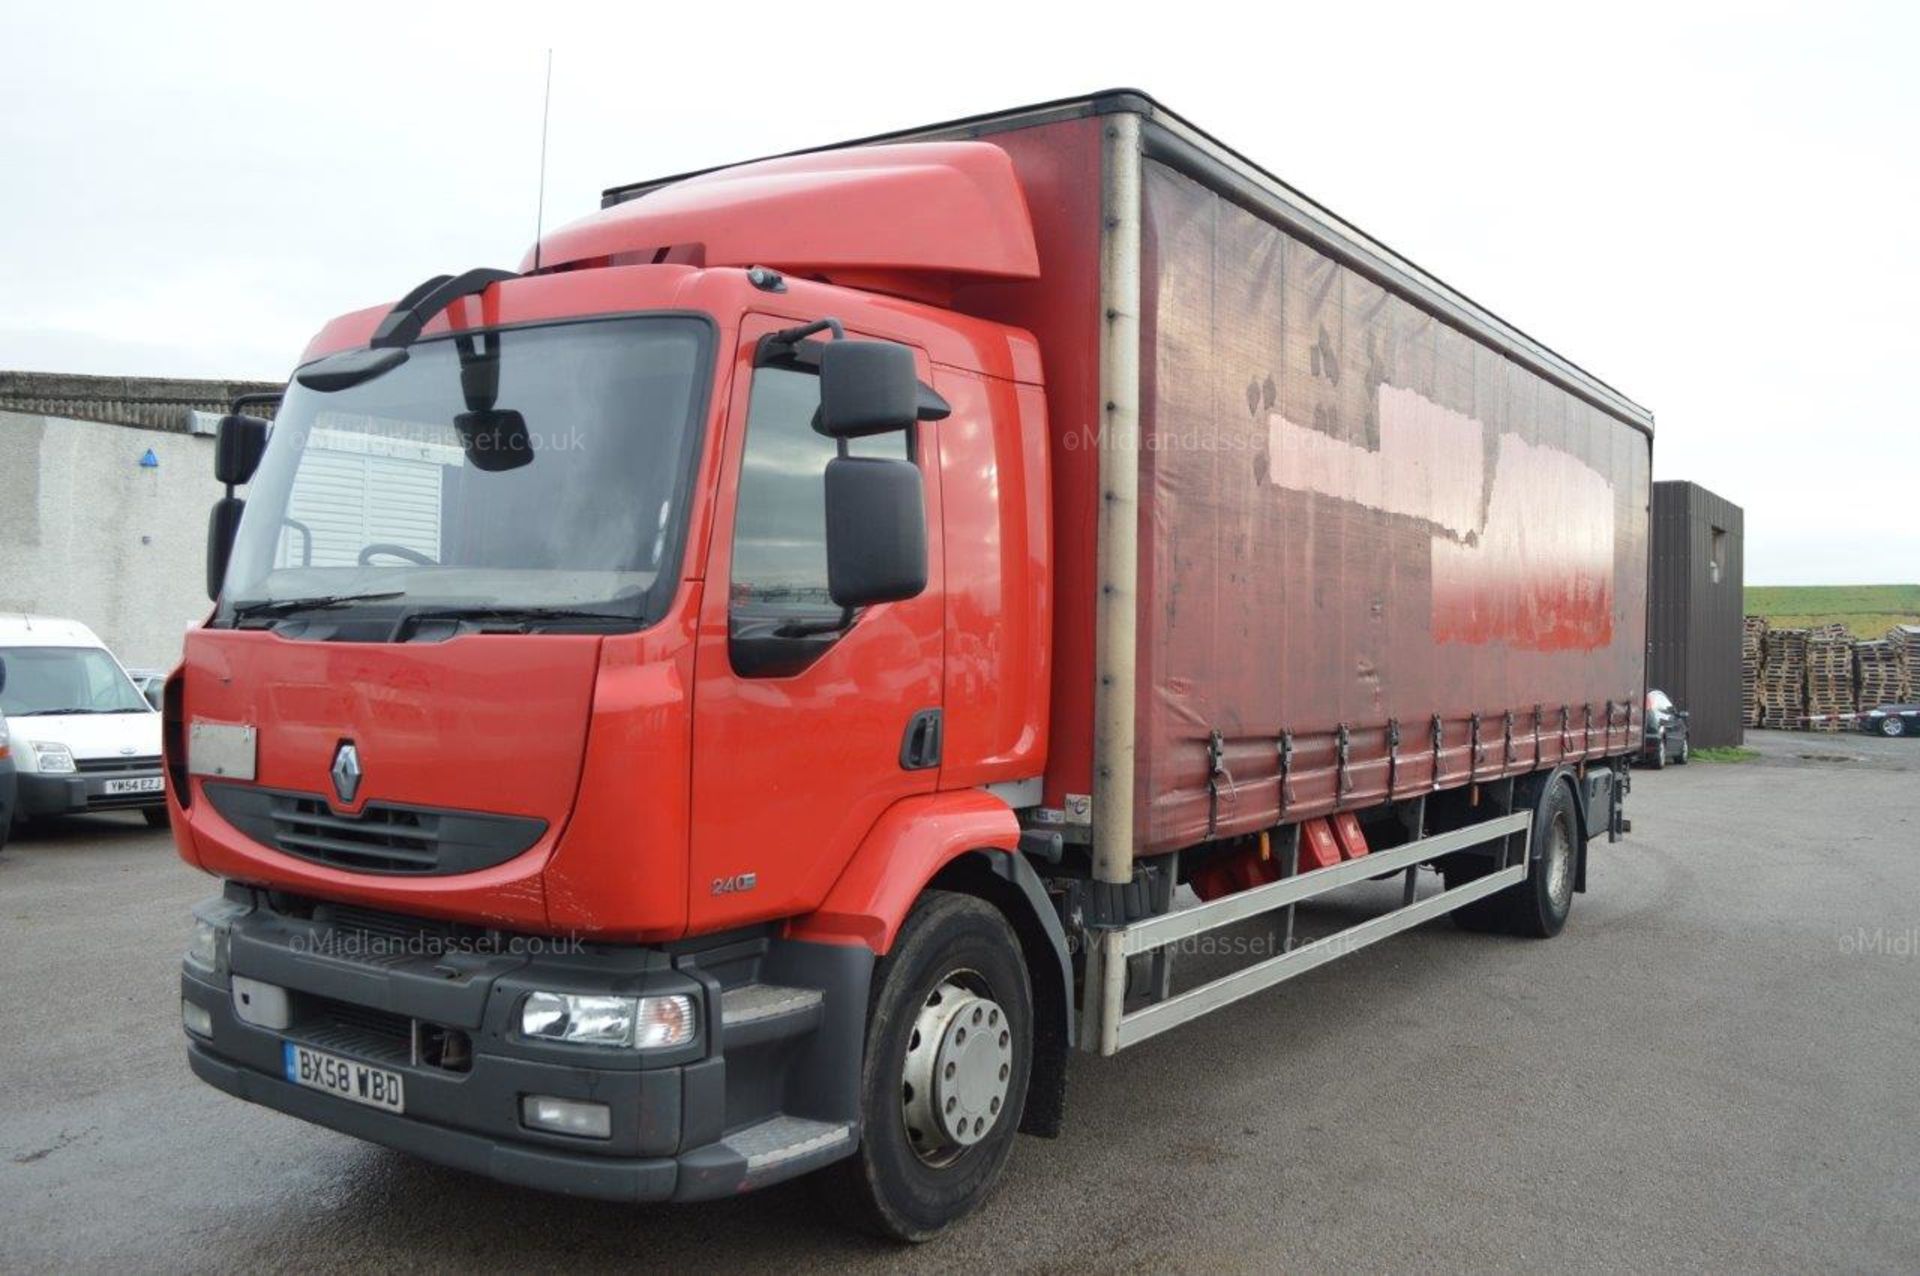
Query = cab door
x=799 y=721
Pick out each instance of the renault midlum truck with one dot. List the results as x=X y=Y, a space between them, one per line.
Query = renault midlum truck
x=752 y=689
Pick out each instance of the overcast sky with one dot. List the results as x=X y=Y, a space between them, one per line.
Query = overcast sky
x=1712 y=207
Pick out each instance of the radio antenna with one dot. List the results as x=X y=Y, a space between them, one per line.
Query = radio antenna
x=540 y=204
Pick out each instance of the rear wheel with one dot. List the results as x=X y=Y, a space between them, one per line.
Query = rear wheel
x=1686 y=747
x=1891 y=725
x=949 y=1047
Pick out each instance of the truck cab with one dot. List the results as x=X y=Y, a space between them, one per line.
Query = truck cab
x=548 y=635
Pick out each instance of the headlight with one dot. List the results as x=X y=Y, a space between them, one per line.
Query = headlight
x=54 y=758
x=646 y=1023
x=204 y=948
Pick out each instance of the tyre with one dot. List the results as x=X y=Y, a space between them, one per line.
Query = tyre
x=156 y=816
x=1892 y=726
x=944 y=1080
x=1660 y=753
x=1686 y=748
x=1537 y=907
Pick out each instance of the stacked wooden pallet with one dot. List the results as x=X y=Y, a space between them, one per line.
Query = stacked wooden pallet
x=1830 y=691
x=1783 y=679
x=1880 y=672
x=1906 y=641
x=1753 y=637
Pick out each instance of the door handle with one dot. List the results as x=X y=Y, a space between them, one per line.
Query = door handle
x=920 y=748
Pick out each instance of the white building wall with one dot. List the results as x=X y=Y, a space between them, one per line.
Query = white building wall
x=89 y=534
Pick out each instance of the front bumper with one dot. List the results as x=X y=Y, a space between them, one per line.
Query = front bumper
x=77 y=794
x=689 y=1123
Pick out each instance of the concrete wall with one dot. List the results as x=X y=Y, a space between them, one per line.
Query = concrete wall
x=86 y=533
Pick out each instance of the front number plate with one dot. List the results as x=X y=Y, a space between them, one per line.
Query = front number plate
x=146 y=784
x=360 y=1082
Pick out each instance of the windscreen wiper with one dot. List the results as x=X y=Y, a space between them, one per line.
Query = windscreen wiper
x=65 y=713
x=511 y=615
x=320 y=602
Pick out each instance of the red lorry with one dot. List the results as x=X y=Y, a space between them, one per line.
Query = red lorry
x=751 y=690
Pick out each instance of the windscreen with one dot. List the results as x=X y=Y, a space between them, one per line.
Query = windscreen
x=45 y=681
x=524 y=468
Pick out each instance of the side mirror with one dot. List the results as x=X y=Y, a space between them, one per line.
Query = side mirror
x=866 y=387
x=237 y=448
x=495 y=439
x=223 y=520
x=349 y=368
x=876 y=531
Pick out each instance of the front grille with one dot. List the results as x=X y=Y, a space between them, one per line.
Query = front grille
x=123 y=801
x=359 y=1031
x=117 y=766
x=378 y=1036
x=384 y=925
x=381 y=839
x=386 y=837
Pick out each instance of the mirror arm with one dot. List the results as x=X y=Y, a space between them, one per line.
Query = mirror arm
x=789 y=343
x=241 y=401
x=403 y=324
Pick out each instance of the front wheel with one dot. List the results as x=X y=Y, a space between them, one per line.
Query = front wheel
x=949 y=1048
x=1660 y=753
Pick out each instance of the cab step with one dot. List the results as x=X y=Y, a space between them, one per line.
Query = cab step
x=769 y=1151
x=754 y=1013
x=787 y=1145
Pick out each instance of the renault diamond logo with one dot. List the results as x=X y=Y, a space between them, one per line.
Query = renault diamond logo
x=346 y=771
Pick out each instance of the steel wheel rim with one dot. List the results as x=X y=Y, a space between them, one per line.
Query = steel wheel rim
x=958 y=1069
x=1559 y=863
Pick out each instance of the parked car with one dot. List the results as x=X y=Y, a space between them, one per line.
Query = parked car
x=8 y=786
x=149 y=683
x=1892 y=719
x=1665 y=738
x=83 y=738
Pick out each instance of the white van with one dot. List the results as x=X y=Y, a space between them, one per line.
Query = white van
x=82 y=736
